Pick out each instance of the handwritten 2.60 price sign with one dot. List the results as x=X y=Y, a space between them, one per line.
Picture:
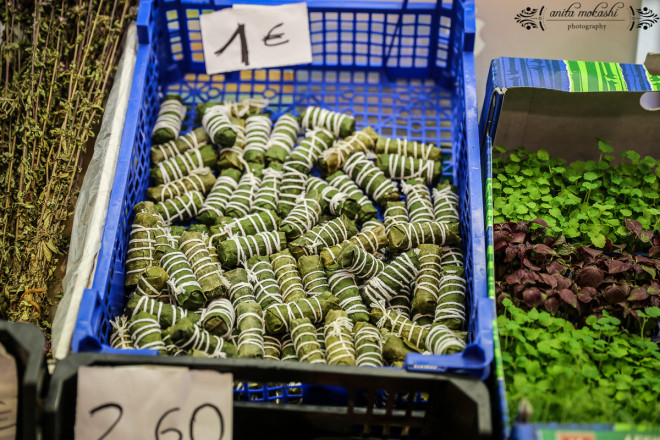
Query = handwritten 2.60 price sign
x=254 y=37
x=161 y=403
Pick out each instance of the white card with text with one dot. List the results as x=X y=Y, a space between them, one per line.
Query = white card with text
x=153 y=402
x=256 y=37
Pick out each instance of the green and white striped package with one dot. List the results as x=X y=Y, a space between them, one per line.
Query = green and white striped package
x=146 y=332
x=218 y=126
x=441 y=340
x=427 y=285
x=404 y=147
x=451 y=308
x=272 y=348
x=372 y=180
x=240 y=289
x=400 y=303
x=345 y=288
x=401 y=326
x=303 y=216
x=193 y=140
x=201 y=180
x=257 y=132
x=288 y=353
x=314 y=280
x=418 y=201
x=240 y=202
x=169 y=120
x=264 y=281
x=188 y=336
x=251 y=224
x=293 y=185
x=141 y=251
x=180 y=208
x=250 y=323
x=371 y=224
x=308 y=349
x=215 y=204
x=445 y=202
x=286 y=270
x=334 y=157
x=166 y=314
x=358 y=261
x=400 y=167
x=120 y=336
x=268 y=195
x=183 y=164
x=246 y=107
x=304 y=156
x=395 y=213
x=452 y=256
x=183 y=284
x=340 y=124
x=404 y=236
x=282 y=138
x=338 y=203
x=218 y=317
x=338 y=332
x=322 y=236
x=346 y=185
x=239 y=249
x=396 y=275
x=278 y=317
x=368 y=345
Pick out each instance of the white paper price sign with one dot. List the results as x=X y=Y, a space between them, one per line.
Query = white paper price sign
x=254 y=37
x=153 y=402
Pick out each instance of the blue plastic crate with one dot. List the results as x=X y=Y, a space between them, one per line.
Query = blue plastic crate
x=404 y=67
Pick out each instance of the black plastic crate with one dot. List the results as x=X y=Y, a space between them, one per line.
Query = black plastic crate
x=26 y=343
x=365 y=403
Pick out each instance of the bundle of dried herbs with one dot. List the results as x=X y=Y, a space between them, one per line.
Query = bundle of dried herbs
x=57 y=62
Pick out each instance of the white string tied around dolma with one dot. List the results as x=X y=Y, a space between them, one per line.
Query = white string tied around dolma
x=170 y=116
x=369 y=168
x=216 y=118
x=156 y=308
x=219 y=195
x=221 y=306
x=152 y=326
x=256 y=221
x=440 y=338
x=242 y=108
x=338 y=236
x=425 y=168
x=170 y=169
x=343 y=348
x=363 y=338
x=445 y=200
x=150 y=246
x=321 y=117
x=121 y=337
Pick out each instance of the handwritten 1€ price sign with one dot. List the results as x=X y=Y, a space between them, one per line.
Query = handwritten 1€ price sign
x=253 y=37
x=162 y=403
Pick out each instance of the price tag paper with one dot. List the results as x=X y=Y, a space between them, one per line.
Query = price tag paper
x=153 y=402
x=256 y=37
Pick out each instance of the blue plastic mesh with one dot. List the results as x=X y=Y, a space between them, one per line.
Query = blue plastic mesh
x=357 y=35
x=403 y=100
